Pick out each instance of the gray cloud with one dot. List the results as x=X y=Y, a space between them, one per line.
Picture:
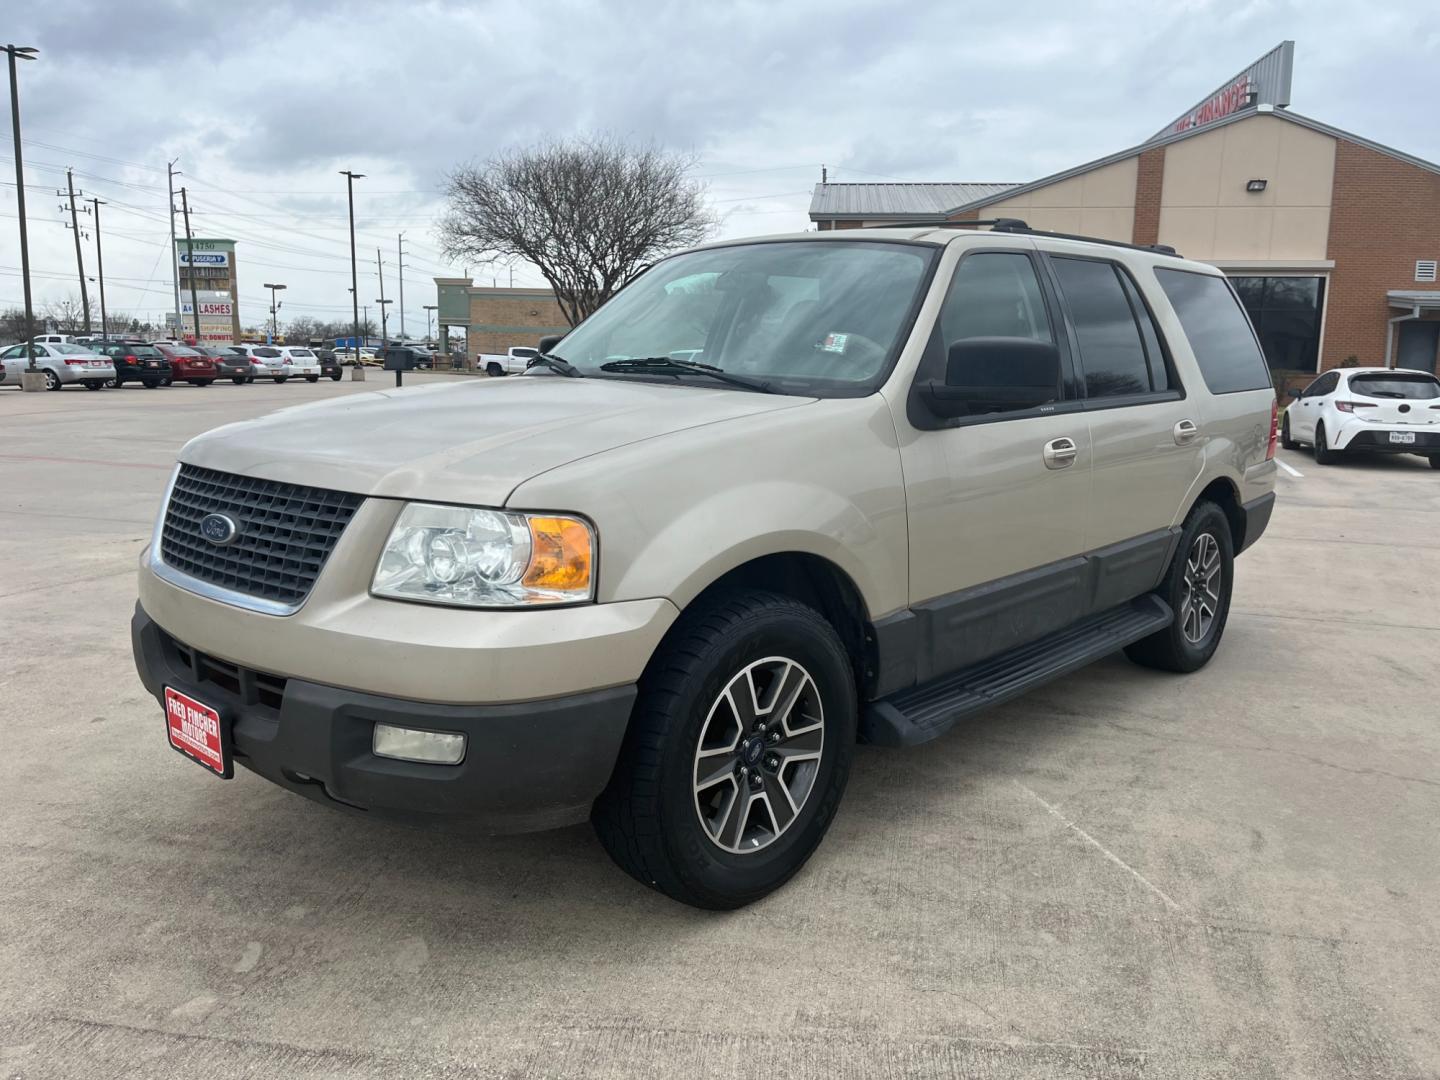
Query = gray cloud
x=263 y=102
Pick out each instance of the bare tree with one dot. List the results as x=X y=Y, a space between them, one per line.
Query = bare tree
x=67 y=314
x=589 y=213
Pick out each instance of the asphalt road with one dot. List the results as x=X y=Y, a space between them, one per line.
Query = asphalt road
x=1126 y=874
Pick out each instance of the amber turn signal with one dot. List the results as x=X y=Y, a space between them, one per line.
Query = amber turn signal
x=562 y=556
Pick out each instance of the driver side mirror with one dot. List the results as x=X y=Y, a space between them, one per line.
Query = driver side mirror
x=995 y=374
x=549 y=341
x=1294 y=393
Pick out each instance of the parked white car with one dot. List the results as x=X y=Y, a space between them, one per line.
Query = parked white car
x=300 y=362
x=62 y=364
x=1366 y=410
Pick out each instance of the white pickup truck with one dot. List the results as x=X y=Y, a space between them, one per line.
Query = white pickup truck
x=511 y=362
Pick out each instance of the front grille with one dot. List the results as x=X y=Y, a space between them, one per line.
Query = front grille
x=286 y=532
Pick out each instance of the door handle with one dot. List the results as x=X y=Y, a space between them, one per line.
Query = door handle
x=1185 y=430
x=1059 y=453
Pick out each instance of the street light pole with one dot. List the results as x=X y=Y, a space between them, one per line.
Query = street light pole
x=190 y=261
x=428 y=309
x=400 y=267
x=350 y=178
x=274 y=323
x=383 y=332
x=22 y=52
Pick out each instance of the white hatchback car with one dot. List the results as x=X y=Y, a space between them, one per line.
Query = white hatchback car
x=300 y=362
x=1369 y=410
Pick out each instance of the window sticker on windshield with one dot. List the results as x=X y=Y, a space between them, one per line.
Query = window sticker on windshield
x=835 y=343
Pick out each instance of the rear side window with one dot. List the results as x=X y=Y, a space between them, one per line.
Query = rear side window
x=1112 y=352
x=1219 y=333
x=1400 y=385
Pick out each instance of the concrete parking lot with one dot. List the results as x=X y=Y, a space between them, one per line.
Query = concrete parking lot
x=1126 y=874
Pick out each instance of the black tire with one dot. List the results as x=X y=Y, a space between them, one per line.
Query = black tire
x=1435 y=461
x=280 y=379
x=167 y=380
x=115 y=383
x=1323 y=454
x=1285 y=441
x=493 y=369
x=1171 y=649
x=335 y=376
x=312 y=378
x=93 y=385
x=249 y=379
x=238 y=380
x=150 y=384
x=52 y=381
x=648 y=818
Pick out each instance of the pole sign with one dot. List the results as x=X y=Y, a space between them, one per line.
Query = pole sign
x=1265 y=82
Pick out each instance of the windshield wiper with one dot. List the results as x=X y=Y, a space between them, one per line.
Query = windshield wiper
x=556 y=363
x=668 y=365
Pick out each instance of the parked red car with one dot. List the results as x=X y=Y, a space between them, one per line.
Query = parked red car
x=189 y=365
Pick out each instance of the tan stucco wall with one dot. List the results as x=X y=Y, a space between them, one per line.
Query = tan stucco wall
x=1098 y=203
x=1206 y=213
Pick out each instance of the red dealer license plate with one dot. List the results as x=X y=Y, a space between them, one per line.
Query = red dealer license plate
x=198 y=732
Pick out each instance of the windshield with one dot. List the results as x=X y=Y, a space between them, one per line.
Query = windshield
x=1399 y=385
x=807 y=317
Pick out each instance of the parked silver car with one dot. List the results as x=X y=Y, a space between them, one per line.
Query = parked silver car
x=62 y=365
x=266 y=362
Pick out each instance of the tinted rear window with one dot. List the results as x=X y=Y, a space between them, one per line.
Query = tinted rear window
x=1395 y=386
x=1219 y=333
x=271 y=353
x=140 y=350
x=300 y=352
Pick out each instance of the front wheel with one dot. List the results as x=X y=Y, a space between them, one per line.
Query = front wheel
x=238 y=380
x=93 y=385
x=493 y=369
x=312 y=378
x=1197 y=587
x=335 y=376
x=1285 y=440
x=280 y=379
x=167 y=380
x=737 y=754
x=1323 y=454
x=151 y=384
x=115 y=383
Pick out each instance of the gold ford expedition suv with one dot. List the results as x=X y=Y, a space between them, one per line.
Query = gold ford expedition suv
x=777 y=496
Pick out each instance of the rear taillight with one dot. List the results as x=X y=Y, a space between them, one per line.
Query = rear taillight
x=1351 y=406
x=286 y=360
x=1274 y=429
x=129 y=359
x=75 y=363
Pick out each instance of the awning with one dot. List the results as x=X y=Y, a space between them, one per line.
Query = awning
x=1410 y=299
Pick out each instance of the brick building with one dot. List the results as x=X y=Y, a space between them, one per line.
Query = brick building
x=1330 y=239
x=496 y=318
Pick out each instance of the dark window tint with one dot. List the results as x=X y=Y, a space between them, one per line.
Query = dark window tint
x=1286 y=314
x=994 y=295
x=1111 y=352
x=1325 y=384
x=271 y=353
x=1219 y=334
x=141 y=350
x=1414 y=387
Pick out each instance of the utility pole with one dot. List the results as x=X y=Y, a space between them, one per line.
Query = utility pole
x=190 y=261
x=79 y=259
x=22 y=52
x=350 y=178
x=170 y=173
x=380 y=273
x=400 y=250
x=100 y=267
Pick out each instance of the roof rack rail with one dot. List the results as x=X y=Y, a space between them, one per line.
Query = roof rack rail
x=1015 y=225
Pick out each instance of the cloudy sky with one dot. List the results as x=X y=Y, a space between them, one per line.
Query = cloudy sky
x=263 y=101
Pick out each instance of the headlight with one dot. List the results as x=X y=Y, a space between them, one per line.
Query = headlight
x=486 y=558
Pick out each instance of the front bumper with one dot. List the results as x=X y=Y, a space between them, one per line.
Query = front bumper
x=528 y=765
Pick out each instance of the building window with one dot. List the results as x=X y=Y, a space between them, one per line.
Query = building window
x=1286 y=313
x=1424 y=269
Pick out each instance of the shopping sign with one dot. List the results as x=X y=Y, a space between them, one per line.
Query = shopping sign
x=225 y=308
x=205 y=258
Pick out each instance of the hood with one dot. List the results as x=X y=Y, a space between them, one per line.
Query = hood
x=464 y=442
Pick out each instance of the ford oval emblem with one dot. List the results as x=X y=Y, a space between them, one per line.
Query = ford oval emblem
x=219 y=529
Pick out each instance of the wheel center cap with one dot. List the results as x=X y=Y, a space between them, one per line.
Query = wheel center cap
x=751 y=750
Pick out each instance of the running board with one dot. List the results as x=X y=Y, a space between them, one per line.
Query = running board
x=925 y=712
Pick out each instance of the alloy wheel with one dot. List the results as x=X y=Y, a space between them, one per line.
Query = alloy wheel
x=758 y=755
x=1200 y=588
